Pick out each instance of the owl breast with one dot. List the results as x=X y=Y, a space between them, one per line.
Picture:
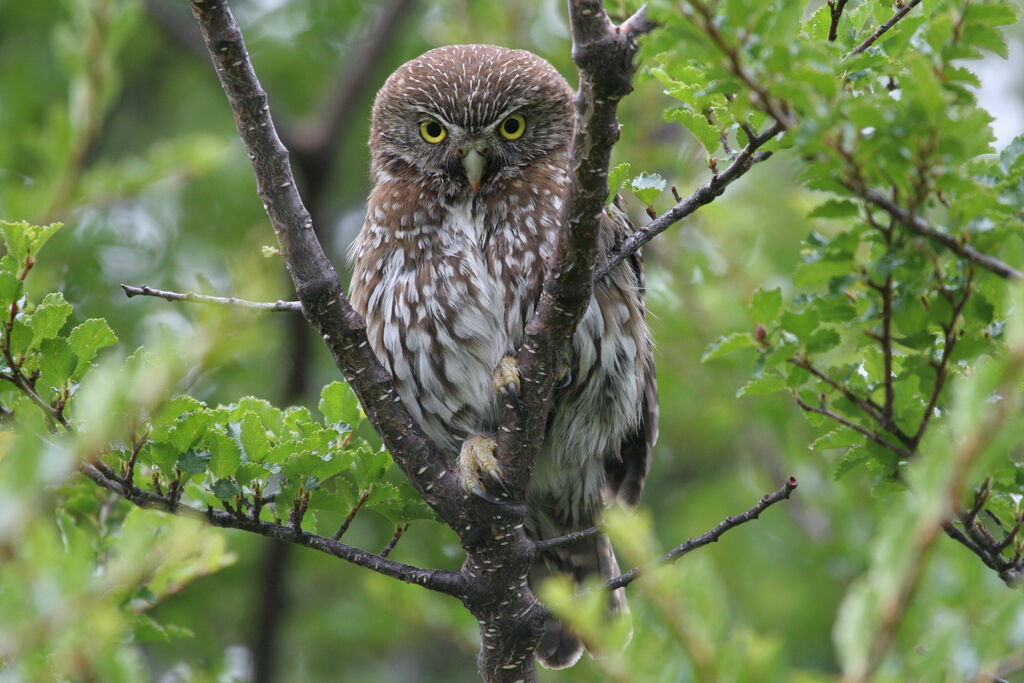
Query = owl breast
x=445 y=294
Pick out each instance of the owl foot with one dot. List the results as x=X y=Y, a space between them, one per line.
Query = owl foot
x=477 y=462
x=564 y=377
x=506 y=378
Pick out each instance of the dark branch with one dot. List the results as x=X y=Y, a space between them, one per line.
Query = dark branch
x=873 y=436
x=191 y=297
x=440 y=580
x=921 y=227
x=706 y=194
x=900 y=13
x=549 y=543
x=714 y=534
x=835 y=9
x=603 y=54
x=316 y=282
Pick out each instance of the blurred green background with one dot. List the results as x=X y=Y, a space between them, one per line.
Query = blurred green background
x=111 y=120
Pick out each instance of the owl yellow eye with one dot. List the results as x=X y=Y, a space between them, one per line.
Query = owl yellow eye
x=513 y=127
x=432 y=131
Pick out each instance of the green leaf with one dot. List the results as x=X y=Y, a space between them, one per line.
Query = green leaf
x=49 y=317
x=834 y=208
x=727 y=344
x=225 y=490
x=765 y=305
x=253 y=436
x=766 y=384
x=616 y=178
x=225 y=453
x=647 y=187
x=10 y=288
x=193 y=462
x=24 y=240
x=822 y=340
x=841 y=437
x=708 y=135
x=88 y=338
x=58 y=362
x=339 y=405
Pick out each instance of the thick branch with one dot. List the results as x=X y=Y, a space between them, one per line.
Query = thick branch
x=714 y=534
x=921 y=227
x=191 y=297
x=442 y=581
x=316 y=282
x=900 y=13
x=603 y=54
x=706 y=194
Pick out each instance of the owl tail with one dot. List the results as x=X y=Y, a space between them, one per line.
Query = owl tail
x=560 y=647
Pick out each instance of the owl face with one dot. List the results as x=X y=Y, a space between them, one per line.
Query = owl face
x=467 y=119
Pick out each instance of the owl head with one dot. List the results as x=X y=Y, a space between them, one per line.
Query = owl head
x=466 y=120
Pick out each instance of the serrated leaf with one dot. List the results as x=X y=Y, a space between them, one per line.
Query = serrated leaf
x=225 y=490
x=765 y=305
x=647 y=187
x=766 y=384
x=727 y=344
x=193 y=462
x=253 y=436
x=88 y=338
x=49 y=317
x=58 y=362
x=225 y=453
x=616 y=178
x=368 y=467
x=339 y=405
x=822 y=340
x=708 y=135
x=24 y=239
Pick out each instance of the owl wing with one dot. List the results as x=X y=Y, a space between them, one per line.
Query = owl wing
x=625 y=475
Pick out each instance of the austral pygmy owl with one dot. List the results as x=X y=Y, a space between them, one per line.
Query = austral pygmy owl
x=469 y=148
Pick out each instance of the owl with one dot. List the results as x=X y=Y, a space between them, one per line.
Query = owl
x=469 y=153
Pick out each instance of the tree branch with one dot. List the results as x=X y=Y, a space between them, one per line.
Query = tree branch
x=603 y=54
x=900 y=13
x=317 y=284
x=901 y=452
x=440 y=580
x=705 y=194
x=835 y=9
x=921 y=227
x=191 y=297
x=714 y=534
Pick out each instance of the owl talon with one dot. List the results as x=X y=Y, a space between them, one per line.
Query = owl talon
x=476 y=461
x=564 y=378
x=506 y=379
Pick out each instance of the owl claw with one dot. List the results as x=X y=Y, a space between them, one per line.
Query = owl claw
x=564 y=378
x=476 y=460
x=506 y=378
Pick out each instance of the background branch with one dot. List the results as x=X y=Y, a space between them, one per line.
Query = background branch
x=919 y=226
x=714 y=534
x=191 y=297
x=706 y=194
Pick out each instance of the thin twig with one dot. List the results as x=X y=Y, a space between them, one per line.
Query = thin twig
x=192 y=297
x=921 y=227
x=900 y=13
x=705 y=194
x=549 y=543
x=835 y=8
x=440 y=580
x=713 y=535
x=395 y=537
x=873 y=436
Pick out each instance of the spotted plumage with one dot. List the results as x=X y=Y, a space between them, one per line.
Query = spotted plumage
x=469 y=149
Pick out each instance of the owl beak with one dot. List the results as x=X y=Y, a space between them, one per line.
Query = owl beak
x=473 y=161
